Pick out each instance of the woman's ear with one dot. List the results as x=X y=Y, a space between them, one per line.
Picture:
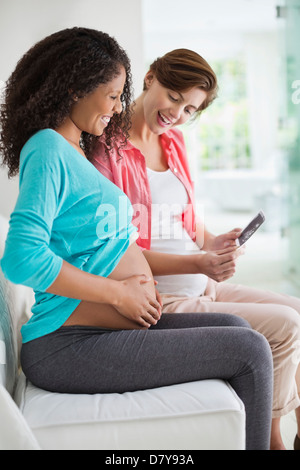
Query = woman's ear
x=74 y=96
x=149 y=77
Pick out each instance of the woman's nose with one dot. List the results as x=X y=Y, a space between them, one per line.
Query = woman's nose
x=118 y=107
x=176 y=112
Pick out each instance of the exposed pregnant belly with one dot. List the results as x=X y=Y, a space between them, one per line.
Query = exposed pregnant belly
x=103 y=315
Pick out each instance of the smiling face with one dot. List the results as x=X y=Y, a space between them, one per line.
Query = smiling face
x=93 y=112
x=165 y=108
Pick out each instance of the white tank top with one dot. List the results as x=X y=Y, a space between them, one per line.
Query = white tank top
x=169 y=198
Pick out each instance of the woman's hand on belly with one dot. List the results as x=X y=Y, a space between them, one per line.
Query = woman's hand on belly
x=126 y=300
x=136 y=303
x=135 y=297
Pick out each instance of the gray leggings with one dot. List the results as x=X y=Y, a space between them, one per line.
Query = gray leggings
x=180 y=348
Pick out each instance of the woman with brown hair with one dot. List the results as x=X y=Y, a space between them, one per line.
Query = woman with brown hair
x=190 y=263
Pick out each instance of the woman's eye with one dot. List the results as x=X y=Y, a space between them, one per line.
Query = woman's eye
x=173 y=98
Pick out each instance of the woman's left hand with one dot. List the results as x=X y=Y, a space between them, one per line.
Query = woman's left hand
x=225 y=240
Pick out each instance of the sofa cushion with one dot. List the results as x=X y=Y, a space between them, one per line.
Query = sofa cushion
x=8 y=343
x=15 y=309
x=197 y=415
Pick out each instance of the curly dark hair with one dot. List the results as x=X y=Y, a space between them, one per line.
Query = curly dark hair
x=40 y=92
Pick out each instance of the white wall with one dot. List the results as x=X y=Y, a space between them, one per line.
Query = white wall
x=24 y=22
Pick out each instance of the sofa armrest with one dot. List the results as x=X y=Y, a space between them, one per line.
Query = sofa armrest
x=15 y=433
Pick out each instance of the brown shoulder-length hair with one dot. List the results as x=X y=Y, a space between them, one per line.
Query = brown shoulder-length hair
x=183 y=69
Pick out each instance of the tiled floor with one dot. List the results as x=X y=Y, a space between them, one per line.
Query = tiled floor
x=262 y=266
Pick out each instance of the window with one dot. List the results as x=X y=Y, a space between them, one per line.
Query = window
x=220 y=138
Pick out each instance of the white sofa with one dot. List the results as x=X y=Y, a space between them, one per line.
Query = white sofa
x=198 y=415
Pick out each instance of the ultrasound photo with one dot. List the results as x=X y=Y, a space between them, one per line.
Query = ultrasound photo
x=251 y=228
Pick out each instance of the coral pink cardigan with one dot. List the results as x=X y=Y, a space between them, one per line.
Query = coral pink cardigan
x=127 y=169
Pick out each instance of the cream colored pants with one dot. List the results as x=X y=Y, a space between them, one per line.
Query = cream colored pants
x=276 y=316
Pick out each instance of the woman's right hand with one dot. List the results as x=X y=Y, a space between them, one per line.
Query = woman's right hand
x=218 y=265
x=134 y=302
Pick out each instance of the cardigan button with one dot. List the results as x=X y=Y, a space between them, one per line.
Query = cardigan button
x=175 y=170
